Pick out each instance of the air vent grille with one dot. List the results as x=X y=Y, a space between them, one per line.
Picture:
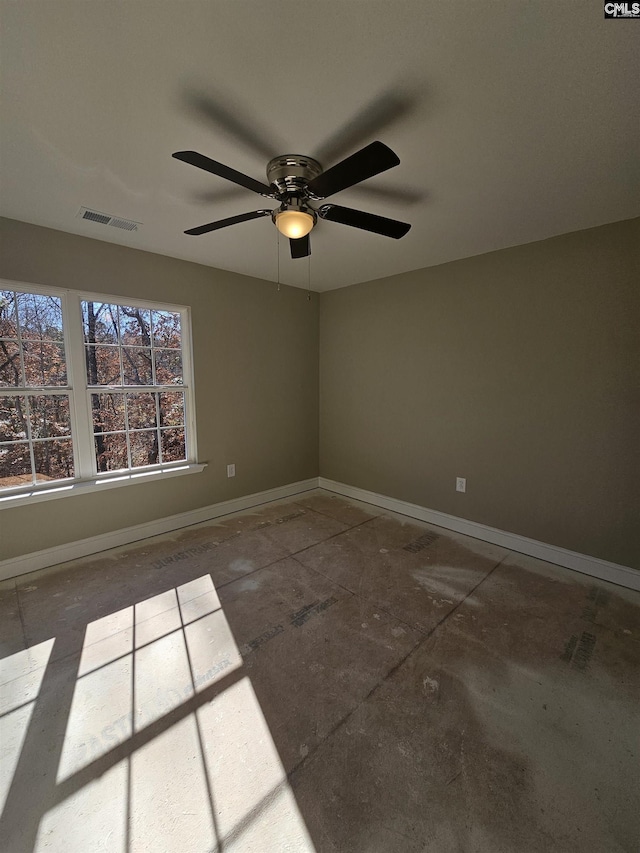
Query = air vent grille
x=126 y=224
x=96 y=217
x=107 y=219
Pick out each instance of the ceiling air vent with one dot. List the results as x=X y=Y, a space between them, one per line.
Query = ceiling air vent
x=106 y=219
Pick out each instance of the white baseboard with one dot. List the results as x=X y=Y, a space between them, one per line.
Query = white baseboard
x=84 y=547
x=601 y=569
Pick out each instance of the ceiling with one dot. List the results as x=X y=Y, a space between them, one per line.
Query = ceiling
x=513 y=122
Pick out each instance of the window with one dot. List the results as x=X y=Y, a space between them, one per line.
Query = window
x=89 y=386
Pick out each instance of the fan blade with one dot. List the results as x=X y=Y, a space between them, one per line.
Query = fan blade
x=366 y=221
x=301 y=247
x=202 y=162
x=366 y=163
x=232 y=220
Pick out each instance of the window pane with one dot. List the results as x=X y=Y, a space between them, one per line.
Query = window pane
x=100 y=323
x=54 y=459
x=103 y=365
x=136 y=364
x=44 y=363
x=168 y=367
x=135 y=326
x=172 y=408
x=144 y=448
x=173 y=447
x=40 y=317
x=108 y=412
x=166 y=329
x=111 y=452
x=49 y=415
x=10 y=370
x=13 y=419
x=141 y=409
x=15 y=465
x=8 y=318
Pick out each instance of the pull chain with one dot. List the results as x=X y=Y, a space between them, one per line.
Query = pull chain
x=278 y=250
x=309 y=278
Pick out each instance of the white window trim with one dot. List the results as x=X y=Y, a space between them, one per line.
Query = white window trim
x=87 y=477
x=110 y=480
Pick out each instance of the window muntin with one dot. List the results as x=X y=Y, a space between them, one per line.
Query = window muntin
x=125 y=346
x=134 y=360
x=31 y=340
x=132 y=429
x=36 y=443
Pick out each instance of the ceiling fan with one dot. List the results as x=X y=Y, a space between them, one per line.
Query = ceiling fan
x=296 y=181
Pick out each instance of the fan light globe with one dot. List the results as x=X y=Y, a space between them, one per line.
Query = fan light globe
x=294 y=223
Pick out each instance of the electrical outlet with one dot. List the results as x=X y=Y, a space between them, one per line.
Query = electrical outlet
x=231 y=470
x=461 y=484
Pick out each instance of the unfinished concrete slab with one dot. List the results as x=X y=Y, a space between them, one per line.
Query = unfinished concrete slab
x=405 y=568
x=350 y=512
x=317 y=674
x=498 y=732
x=11 y=633
x=312 y=650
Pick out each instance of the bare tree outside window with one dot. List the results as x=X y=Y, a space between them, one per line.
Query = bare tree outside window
x=35 y=428
x=134 y=414
x=136 y=353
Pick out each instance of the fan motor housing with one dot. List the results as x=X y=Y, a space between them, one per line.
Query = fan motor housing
x=290 y=173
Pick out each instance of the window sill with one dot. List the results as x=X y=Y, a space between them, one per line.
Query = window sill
x=99 y=484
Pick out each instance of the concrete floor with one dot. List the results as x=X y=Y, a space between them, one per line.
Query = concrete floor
x=317 y=674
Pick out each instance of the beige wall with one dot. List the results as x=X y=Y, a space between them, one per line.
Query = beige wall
x=517 y=369
x=256 y=380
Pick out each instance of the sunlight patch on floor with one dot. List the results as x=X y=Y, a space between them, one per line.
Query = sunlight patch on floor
x=148 y=762
x=20 y=679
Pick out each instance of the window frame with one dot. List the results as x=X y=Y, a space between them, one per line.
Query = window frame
x=86 y=475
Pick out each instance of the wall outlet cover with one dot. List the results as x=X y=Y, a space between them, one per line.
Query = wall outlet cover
x=231 y=470
x=461 y=484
